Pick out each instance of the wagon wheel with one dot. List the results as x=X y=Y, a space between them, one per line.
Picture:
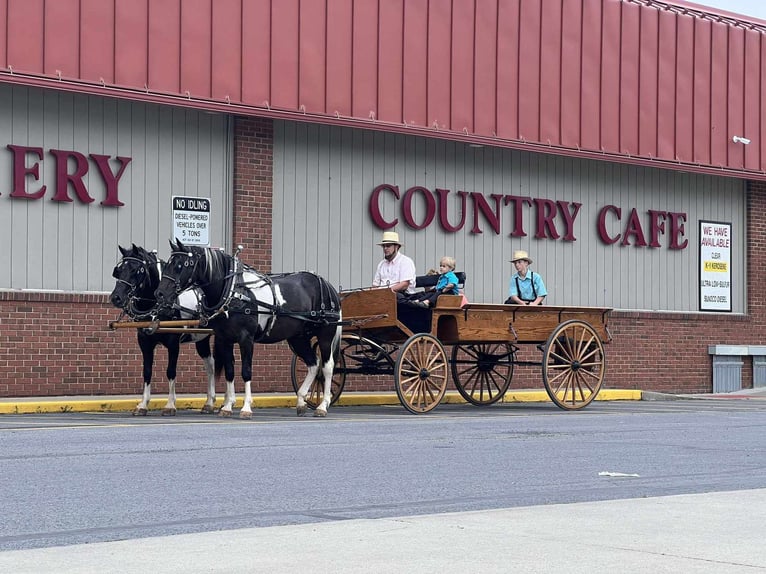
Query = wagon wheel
x=573 y=365
x=421 y=373
x=298 y=372
x=483 y=372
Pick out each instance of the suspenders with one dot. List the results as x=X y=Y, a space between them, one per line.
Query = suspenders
x=534 y=291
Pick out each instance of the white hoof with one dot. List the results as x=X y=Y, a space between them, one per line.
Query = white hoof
x=223 y=413
x=207 y=410
x=168 y=412
x=245 y=414
x=320 y=412
x=141 y=412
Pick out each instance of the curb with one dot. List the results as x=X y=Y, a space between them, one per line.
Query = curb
x=112 y=404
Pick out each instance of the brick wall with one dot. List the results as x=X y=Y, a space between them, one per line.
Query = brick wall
x=60 y=344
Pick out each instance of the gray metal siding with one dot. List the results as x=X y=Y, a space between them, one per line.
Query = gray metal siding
x=323 y=177
x=50 y=245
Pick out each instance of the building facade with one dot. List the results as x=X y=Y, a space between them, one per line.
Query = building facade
x=598 y=135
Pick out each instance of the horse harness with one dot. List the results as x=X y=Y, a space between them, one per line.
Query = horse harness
x=239 y=299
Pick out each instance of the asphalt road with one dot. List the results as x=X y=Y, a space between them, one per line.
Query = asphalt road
x=73 y=480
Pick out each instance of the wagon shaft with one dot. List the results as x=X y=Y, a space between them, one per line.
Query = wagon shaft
x=154 y=324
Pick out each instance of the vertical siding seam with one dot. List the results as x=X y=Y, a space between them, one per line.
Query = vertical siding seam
x=180 y=45
x=402 y=88
x=351 y=71
x=210 y=57
x=639 y=59
x=428 y=56
x=114 y=41
x=676 y=88
x=451 y=63
x=79 y=38
x=710 y=105
x=148 y=47
x=728 y=83
x=298 y=82
x=497 y=65
x=517 y=111
x=377 y=59
x=241 y=52
x=760 y=99
x=657 y=89
x=561 y=71
x=473 y=74
x=619 y=79
x=600 y=80
x=326 y=58
x=580 y=89
x=538 y=136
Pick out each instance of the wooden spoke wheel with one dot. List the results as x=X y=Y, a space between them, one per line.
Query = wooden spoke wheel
x=421 y=373
x=483 y=372
x=298 y=372
x=573 y=365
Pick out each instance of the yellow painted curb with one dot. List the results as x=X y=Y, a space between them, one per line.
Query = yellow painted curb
x=110 y=404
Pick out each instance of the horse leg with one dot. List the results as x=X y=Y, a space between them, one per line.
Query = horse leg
x=328 y=365
x=226 y=355
x=174 y=349
x=143 y=406
x=301 y=406
x=301 y=346
x=203 y=350
x=209 y=406
x=146 y=344
x=246 y=354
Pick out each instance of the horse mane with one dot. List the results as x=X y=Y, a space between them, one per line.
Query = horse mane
x=216 y=263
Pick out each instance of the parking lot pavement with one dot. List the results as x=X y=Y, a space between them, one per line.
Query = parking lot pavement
x=695 y=534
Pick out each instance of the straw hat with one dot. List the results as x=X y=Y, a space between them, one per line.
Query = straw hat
x=521 y=255
x=390 y=237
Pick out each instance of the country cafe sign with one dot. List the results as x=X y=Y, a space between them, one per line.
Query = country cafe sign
x=549 y=218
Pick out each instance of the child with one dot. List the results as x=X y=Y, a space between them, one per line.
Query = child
x=447 y=283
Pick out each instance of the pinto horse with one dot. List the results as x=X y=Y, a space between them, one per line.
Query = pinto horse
x=138 y=276
x=245 y=307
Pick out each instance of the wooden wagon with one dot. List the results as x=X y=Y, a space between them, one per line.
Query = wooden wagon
x=384 y=337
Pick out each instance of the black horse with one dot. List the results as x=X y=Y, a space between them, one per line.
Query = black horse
x=138 y=276
x=245 y=307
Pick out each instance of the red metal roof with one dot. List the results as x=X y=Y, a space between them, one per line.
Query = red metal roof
x=640 y=81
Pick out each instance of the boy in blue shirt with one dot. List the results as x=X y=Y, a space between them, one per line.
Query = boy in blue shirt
x=527 y=288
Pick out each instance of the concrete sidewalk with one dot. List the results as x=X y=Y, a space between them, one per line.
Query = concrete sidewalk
x=710 y=533
x=126 y=403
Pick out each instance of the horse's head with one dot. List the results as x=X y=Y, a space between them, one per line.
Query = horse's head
x=180 y=272
x=137 y=277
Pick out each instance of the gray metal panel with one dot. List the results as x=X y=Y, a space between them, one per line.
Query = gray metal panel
x=72 y=246
x=323 y=178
